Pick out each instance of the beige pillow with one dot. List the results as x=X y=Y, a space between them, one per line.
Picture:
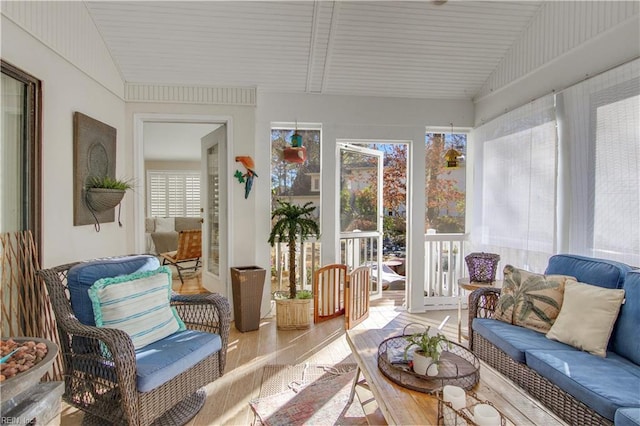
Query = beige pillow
x=149 y=224
x=530 y=300
x=587 y=317
x=165 y=224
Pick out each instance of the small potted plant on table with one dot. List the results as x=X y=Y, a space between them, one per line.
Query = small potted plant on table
x=293 y=224
x=427 y=356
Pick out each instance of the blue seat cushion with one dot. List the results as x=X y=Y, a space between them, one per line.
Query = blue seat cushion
x=590 y=270
x=82 y=276
x=163 y=360
x=603 y=384
x=625 y=339
x=627 y=417
x=515 y=340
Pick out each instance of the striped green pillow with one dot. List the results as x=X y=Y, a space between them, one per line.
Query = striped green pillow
x=137 y=304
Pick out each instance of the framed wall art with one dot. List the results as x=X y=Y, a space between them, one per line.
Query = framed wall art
x=94 y=155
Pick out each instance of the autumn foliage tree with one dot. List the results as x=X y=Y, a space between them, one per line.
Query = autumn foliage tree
x=445 y=202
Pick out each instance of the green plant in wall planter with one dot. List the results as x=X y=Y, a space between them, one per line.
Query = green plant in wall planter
x=103 y=193
x=293 y=224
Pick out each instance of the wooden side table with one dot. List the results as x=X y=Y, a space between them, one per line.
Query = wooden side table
x=465 y=284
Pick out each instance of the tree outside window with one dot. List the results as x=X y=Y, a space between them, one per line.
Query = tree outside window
x=445 y=182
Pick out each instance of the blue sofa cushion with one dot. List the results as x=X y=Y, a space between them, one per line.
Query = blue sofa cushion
x=82 y=276
x=163 y=360
x=626 y=333
x=600 y=272
x=627 y=417
x=515 y=340
x=603 y=384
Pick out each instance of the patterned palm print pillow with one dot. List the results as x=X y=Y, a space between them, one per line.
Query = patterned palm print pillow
x=530 y=300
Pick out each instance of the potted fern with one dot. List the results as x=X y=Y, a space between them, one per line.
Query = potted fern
x=427 y=356
x=293 y=224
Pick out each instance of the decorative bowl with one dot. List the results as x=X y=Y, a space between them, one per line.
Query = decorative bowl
x=23 y=381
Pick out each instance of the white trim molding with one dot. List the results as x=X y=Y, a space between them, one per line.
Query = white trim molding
x=175 y=93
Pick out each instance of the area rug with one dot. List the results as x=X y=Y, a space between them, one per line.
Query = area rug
x=307 y=395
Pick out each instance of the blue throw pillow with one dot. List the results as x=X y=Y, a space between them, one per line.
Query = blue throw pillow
x=83 y=275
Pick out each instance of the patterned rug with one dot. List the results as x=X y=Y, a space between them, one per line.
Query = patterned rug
x=307 y=395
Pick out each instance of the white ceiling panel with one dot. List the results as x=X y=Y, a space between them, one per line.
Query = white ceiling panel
x=380 y=48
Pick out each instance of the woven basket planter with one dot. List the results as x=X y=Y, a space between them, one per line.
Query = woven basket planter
x=293 y=314
x=482 y=267
x=102 y=199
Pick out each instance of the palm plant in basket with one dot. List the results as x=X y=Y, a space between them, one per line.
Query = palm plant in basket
x=427 y=356
x=292 y=224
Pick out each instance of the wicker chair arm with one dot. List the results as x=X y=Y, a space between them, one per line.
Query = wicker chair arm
x=482 y=304
x=122 y=362
x=208 y=312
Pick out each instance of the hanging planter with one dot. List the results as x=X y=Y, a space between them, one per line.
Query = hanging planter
x=103 y=199
x=104 y=193
x=296 y=153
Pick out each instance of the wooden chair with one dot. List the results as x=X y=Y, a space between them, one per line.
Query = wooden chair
x=189 y=250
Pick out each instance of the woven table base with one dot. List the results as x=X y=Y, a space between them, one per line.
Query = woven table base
x=179 y=415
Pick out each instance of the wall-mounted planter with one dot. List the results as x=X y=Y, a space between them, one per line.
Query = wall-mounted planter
x=102 y=199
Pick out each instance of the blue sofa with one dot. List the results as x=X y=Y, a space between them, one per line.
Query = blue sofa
x=579 y=387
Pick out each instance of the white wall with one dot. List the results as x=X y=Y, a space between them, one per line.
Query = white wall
x=349 y=117
x=66 y=88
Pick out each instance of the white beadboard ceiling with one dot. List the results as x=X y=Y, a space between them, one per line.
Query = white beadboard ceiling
x=380 y=48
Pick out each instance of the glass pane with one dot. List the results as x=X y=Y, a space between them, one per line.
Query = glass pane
x=213 y=180
x=358 y=192
x=12 y=214
x=298 y=183
x=446 y=182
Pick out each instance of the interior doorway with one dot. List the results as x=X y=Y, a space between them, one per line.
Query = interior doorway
x=171 y=171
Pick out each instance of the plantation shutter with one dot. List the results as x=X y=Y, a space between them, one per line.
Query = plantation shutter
x=173 y=193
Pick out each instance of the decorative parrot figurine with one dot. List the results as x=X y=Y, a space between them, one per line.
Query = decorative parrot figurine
x=246 y=178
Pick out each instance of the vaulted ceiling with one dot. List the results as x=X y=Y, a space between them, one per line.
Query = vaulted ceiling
x=424 y=49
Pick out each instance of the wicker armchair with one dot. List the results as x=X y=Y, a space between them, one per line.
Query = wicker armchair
x=105 y=385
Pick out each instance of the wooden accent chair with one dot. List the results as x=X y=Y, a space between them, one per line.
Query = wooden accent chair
x=189 y=250
x=328 y=292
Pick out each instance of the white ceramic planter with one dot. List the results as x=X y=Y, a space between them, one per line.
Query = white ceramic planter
x=424 y=365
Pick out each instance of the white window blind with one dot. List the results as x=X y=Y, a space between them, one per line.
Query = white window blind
x=515 y=184
x=173 y=193
x=600 y=119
